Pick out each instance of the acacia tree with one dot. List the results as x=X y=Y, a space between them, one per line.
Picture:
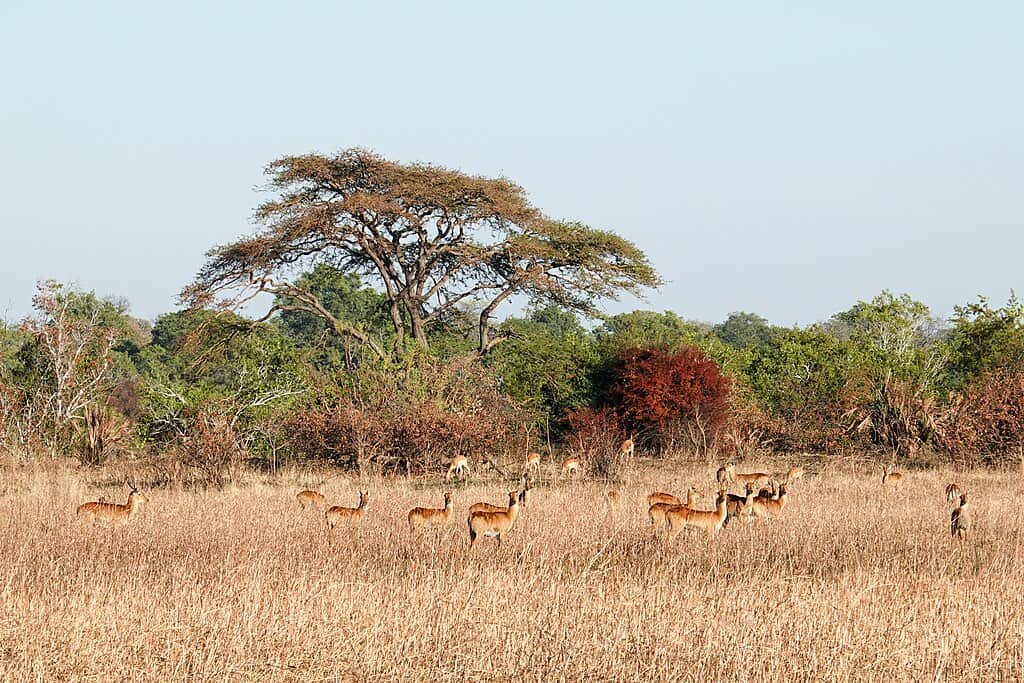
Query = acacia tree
x=432 y=239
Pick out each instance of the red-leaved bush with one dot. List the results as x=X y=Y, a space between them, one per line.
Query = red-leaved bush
x=594 y=436
x=984 y=423
x=674 y=399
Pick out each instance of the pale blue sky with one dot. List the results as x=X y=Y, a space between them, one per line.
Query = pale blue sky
x=783 y=158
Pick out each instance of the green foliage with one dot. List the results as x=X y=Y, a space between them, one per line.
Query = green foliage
x=800 y=369
x=198 y=357
x=345 y=298
x=986 y=339
x=547 y=363
x=745 y=331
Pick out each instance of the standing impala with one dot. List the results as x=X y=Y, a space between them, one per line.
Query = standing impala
x=681 y=517
x=309 y=498
x=112 y=512
x=493 y=524
x=337 y=514
x=420 y=517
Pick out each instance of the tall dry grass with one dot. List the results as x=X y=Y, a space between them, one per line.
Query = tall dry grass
x=242 y=585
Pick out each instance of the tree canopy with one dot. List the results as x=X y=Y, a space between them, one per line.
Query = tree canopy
x=432 y=239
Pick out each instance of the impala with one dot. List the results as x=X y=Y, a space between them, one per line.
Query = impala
x=725 y=474
x=493 y=523
x=626 y=447
x=113 y=512
x=794 y=473
x=681 y=517
x=525 y=494
x=744 y=477
x=766 y=508
x=309 y=498
x=458 y=467
x=420 y=517
x=890 y=477
x=961 y=521
x=532 y=461
x=661 y=503
x=337 y=514
x=570 y=466
x=740 y=506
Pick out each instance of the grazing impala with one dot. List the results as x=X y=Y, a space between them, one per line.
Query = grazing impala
x=570 y=466
x=961 y=521
x=112 y=512
x=493 y=523
x=532 y=462
x=891 y=478
x=458 y=467
x=337 y=514
x=681 y=517
x=953 y=494
x=626 y=447
x=420 y=517
x=309 y=498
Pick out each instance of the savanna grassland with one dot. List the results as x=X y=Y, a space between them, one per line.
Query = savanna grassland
x=849 y=583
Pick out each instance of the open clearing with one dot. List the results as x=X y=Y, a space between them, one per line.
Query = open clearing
x=851 y=583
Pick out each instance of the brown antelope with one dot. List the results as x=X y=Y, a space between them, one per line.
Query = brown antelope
x=661 y=503
x=656 y=513
x=892 y=478
x=309 y=498
x=661 y=497
x=493 y=523
x=766 y=508
x=681 y=517
x=532 y=462
x=337 y=514
x=744 y=477
x=953 y=494
x=740 y=506
x=525 y=495
x=570 y=466
x=961 y=521
x=458 y=467
x=627 y=447
x=113 y=512
x=420 y=517
x=725 y=474
x=614 y=500
x=769 y=492
x=795 y=472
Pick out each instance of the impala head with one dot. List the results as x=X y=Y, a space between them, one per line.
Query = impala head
x=364 y=498
x=963 y=498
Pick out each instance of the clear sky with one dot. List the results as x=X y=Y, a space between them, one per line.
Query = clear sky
x=783 y=158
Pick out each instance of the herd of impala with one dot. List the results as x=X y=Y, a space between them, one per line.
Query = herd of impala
x=667 y=513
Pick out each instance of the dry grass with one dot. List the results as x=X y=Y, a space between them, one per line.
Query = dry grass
x=849 y=584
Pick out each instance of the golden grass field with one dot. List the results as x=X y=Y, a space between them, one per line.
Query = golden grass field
x=851 y=583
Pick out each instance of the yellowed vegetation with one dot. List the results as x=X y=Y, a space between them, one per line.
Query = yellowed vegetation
x=850 y=581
